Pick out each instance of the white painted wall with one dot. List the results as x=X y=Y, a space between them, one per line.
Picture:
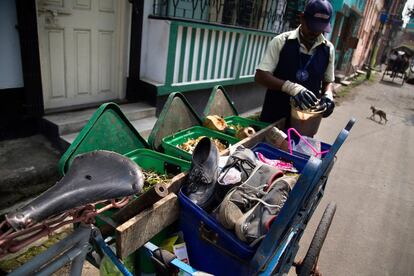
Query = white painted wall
x=11 y=75
x=154 y=49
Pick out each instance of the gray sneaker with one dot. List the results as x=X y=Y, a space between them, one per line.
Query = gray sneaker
x=238 y=200
x=243 y=159
x=253 y=225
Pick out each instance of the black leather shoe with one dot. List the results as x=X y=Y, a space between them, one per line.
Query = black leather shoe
x=202 y=178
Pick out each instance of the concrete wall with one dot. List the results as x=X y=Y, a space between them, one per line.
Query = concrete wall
x=11 y=75
x=154 y=48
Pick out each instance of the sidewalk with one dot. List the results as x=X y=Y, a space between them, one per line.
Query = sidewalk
x=28 y=166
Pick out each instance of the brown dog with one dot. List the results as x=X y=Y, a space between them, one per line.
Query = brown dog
x=380 y=113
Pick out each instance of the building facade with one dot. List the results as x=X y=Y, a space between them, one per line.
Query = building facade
x=74 y=54
x=79 y=53
x=391 y=26
x=368 y=33
x=344 y=36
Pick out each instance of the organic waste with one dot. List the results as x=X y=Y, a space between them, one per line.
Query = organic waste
x=236 y=127
x=190 y=144
x=152 y=178
x=215 y=122
x=245 y=132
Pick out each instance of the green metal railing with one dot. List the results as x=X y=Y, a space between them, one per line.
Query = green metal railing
x=202 y=55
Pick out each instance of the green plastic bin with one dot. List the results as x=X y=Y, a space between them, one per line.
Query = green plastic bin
x=109 y=129
x=220 y=104
x=244 y=122
x=158 y=162
x=171 y=143
x=177 y=123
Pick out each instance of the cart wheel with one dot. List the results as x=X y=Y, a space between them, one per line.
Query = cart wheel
x=311 y=258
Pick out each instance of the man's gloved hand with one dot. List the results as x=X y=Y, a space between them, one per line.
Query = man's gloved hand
x=327 y=103
x=303 y=97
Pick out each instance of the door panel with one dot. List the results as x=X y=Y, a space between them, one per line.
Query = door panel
x=79 y=50
x=105 y=63
x=83 y=61
x=56 y=49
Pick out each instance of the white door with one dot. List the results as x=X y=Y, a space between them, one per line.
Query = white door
x=83 y=46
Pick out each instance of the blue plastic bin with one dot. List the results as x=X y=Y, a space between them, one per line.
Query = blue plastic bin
x=215 y=250
x=211 y=247
x=270 y=152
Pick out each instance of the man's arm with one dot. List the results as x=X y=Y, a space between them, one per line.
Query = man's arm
x=327 y=87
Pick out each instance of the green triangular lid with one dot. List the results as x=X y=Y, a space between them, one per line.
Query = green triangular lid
x=108 y=129
x=176 y=115
x=219 y=103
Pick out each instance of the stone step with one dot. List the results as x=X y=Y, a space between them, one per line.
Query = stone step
x=339 y=77
x=351 y=77
x=345 y=83
x=143 y=126
x=74 y=121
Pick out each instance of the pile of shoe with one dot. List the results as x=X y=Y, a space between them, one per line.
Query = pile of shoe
x=250 y=208
x=245 y=195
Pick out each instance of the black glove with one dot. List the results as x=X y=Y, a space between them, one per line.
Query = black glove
x=328 y=105
x=305 y=99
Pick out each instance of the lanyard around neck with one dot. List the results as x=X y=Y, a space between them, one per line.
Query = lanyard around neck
x=307 y=63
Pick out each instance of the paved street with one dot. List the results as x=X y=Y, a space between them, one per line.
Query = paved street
x=372 y=183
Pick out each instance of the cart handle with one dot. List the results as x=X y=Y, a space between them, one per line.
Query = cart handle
x=304 y=140
x=350 y=124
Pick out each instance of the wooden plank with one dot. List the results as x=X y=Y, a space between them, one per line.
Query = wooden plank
x=141 y=203
x=144 y=201
x=134 y=233
x=176 y=183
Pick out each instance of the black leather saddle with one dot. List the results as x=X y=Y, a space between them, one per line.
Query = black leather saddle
x=93 y=176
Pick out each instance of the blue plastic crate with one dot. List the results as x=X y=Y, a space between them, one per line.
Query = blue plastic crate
x=270 y=152
x=211 y=247
x=268 y=149
x=324 y=147
x=224 y=254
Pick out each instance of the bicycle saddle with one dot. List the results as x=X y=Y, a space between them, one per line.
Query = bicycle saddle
x=92 y=177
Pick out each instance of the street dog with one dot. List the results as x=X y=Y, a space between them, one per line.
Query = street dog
x=380 y=113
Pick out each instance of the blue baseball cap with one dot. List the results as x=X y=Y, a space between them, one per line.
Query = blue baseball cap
x=318 y=15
